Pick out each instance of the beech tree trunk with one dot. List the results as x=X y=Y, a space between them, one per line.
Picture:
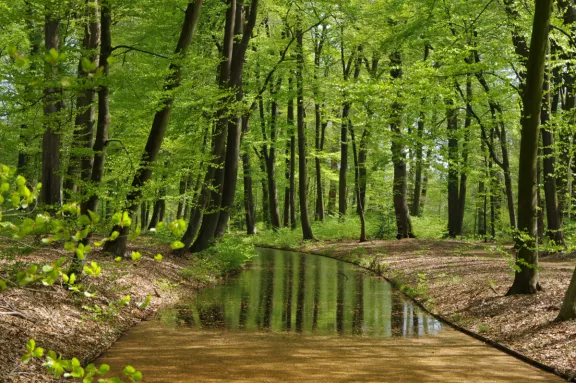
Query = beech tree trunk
x=80 y=166
x=101 y=138
x=403 y=223
x=205 y=215
x=360 y=207
x=464 y=167
x=159 y=125
x=182 y=191
x=453 y=160
x=526 y=280
x=249 y=206
x=50 y=194
x=342 y=180
x=554 y=230
x=235 y=129
x=304 y=218
x=415 y=207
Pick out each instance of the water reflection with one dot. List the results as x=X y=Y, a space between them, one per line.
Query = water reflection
x=282 y=291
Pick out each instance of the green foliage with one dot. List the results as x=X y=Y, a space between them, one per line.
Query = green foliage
x=136 y=256
x=225 y=257
x=72 y=368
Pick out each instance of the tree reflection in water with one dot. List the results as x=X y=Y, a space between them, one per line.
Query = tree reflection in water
x=284 y=291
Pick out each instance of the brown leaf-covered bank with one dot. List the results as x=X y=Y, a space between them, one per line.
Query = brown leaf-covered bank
x=82 y=327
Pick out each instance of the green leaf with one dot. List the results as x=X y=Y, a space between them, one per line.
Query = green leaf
x=3 y=285
x=37 y=353
x=137 y=376
x=104 y=369
x=11 y=50
x=158 y=257
x=31 y=345
x=136 y=256
x=93 y=269
x=84 y=220
x=129 y=370
x=77 y=372
x=118 y=259
x=15 y=199
x=21 y=62
x=80 y=254
x=93 y=217
x=176 y=245
x=114 y=235
x=20 y=181
x=86 y=65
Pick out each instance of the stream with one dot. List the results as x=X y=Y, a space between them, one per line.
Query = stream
x=298 y=317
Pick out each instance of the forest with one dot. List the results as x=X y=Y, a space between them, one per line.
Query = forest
x=190 y=132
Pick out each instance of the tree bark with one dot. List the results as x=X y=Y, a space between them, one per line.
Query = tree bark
x=526 y=280
x=80 y=166
x=452 y=119
x=304 y=218
x=235 y=129
x=101 y=138
x=554 y=231
x=358 y=198
x=51 y=189
x=182 y=191
x=403 y=223
x=249 y=206
x=159 y=126
x=464 y=167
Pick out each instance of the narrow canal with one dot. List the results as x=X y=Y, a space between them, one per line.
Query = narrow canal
x=298 y=317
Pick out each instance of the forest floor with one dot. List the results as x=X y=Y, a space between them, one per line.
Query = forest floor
x=81 y=327
x=466 y=283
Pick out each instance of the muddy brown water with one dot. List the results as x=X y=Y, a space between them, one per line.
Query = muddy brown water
x=298 y=317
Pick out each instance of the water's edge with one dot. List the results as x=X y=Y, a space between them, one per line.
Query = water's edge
x=439 y=317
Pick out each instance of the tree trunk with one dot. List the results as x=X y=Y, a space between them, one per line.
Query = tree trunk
x=51 y=190
x=159 y=125
x=318 y=165
x=452 y=119
x=249 y=207
x=80 y=166
x=101 y=138
x=271 y=170
x=269 y=155
x=231 y=164
x=554 y=231
x=342 y=180
x=464 y=167
x=304 y=218
x=358 y=198
x=144 y=214
x=568 y=309
x=157 y=213
x=403 y=223
x=415 y=208
x=290 y=173
x=526 y=280
x=425 y=181
x=182 y=201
